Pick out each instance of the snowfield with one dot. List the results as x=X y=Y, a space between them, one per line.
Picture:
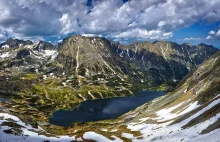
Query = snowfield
x=174 y=133
x=28 y=133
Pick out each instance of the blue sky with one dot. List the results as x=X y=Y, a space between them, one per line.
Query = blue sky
x=124 y=21
x=197 y=33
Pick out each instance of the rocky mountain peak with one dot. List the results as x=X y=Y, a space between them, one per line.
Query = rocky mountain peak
x=14 y=43
x=42 y=45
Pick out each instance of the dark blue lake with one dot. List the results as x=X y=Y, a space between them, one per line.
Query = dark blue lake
x=101 y=109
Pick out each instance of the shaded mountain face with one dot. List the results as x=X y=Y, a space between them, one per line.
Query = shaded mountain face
x=189 y=113
x=83 y=68
x=44 y=46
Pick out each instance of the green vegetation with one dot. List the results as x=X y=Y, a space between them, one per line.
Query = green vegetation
x=29 y=77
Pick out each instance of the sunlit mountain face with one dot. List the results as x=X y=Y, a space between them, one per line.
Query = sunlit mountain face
x=110 y=70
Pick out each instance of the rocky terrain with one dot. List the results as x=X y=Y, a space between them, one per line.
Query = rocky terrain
x=39 y=78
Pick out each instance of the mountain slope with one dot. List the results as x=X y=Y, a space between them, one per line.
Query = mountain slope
x=190 y=113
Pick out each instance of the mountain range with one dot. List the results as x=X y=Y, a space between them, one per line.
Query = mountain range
x=41 y=77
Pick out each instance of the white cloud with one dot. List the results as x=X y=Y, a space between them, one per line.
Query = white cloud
x=218 y=33
x=143 y=34
x=155 y=19
x=2 y=36
x=213 y=35
x=212 y=32
x=209 y=37
x=91 y=35
x=192 y=38
x=67 y=24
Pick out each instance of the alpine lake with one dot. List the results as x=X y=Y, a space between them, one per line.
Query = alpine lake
x=102 y=109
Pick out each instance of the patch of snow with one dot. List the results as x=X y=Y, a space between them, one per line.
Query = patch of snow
x=87 y=72
x=210 y=137
x=54 y=56
x=44 y=77
x=64 y=84
x=91 y=95
x=116 y=139
x=172 y=133
x=28 y=132
x=28 y=46
x=82 y=97
x=68 y=81
x=36 y=70
x=188 y=108
x=121 y=54
x=104 y=130
x=128 y=53
x=121 y=78
x=127 y=135
x=50 y=53
x=5 y=46
x=216 y=96
x=79 y=139
x=144 y=119
x=114 y=130
x=201 y=111
x=8 y=116
x=97 y=137
x=165 y=114
x=4 y=55
x=81 y=76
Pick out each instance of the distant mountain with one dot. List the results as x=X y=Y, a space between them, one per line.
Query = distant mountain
x=14 y=43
